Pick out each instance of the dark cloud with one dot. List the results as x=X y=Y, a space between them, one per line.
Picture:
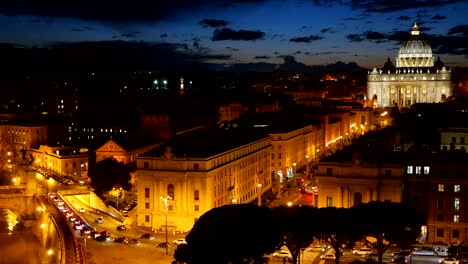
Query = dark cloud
x=213 y=23
x=130 y=34
x=232 y=49
x=372 y=35
x=385 y=6
x=306 y=39
x=355 y=37
x=110 y=11
x=403 y=18
x=461 y=30
x=163 y=35
x=229 y=34
x=261 y=57
x=325 y=30
x=438 y=17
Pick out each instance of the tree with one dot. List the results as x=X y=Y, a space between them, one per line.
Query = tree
x=386 y=223
x=336 y=228
x=108 y=174
x=238 y=233
x=297 y=227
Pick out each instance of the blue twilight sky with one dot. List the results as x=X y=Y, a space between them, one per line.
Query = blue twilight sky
x=246 y=32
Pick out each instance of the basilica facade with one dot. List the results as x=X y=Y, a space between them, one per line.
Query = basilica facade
x=416 y=78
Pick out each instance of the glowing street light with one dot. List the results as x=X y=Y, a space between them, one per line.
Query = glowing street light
x=166 y=205
x=259 y=194
x=289 y=204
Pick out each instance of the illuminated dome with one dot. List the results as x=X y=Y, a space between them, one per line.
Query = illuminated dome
x=415 y=52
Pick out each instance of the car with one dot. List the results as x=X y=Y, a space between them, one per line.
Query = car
x=282 y=254
x=328 y=256
x=123 y=240
x=82 y=210
x=105 y=233
x=147 y=236
x=179 y=241
x=401 y=256
x=99 y=220
x=318 y=248
x=163 y=245
x=121 y=227
x=102 y=238
x=362 y=251
x=450 y=260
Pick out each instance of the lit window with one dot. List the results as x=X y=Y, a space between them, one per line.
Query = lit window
x=409 y=170
x=418 y=169
x=456 y=188
x=456 y=218
x=426 y=170
x=440 y=188
x=329 y=201
x=456 y=203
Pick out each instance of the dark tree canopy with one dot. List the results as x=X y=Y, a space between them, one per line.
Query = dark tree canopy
x=297 y=227
x=240 y=233
x=108 y=174
x=386 y=223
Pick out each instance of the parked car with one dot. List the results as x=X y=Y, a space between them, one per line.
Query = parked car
x=282 y=254
x=179 y=241
x=82 y=210
x=134 y=241
x=147 y=236
x=450 y=260
x=401 y=256
x=362 y=251
x=318 y=248
x=99 y=220
x=121 y=227
x=123 y=240
x=102 y=238
x=328 y=256
x=163 y=245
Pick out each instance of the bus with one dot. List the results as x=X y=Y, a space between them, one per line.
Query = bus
x=431 y=250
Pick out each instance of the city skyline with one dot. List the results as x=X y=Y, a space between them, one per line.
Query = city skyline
x=254 y=34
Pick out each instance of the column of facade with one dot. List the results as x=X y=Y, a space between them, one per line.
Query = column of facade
x=347 y=197
x=340 y=197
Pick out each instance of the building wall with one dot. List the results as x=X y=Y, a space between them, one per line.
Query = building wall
x=456 y=137
x=199 y=184
x=407 y=88
x=345 y=185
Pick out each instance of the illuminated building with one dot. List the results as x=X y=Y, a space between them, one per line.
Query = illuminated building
x=201 y=170
x=417 y=78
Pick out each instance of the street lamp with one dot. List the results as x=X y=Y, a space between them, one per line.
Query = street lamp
x=259 y=194
x=166 y=204
x=294 y=166
x=307 y=164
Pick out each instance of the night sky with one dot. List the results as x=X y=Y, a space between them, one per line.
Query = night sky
x=241 y=32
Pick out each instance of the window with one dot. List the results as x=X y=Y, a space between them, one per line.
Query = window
x=426 y=170
x=440 y=188
x=409 y=170
x=196 y=195
x=329 y=171
x=440 y=217
x=272 y=156
x=388 y=173
x=329 y=201
x=147 y=206
x=146 y=165
x=357 y=198
x=440 y=232
x=456 y=218
x=456 y=233
x=456 y=188
x=170 y=207
x=196 y=208
x=279 y=155
x=147 y=193
x=195 y=166
x=456 y=203
x=74 y=164
x=170 y=191
x=418 y=169
x=454 y=140
x=440 y=203
x=462 y=140
x=147 y=218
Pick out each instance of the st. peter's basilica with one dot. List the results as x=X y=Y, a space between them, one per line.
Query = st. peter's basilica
x=417 y=77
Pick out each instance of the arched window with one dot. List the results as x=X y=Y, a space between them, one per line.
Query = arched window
x=170 y=191
x=357 y=198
